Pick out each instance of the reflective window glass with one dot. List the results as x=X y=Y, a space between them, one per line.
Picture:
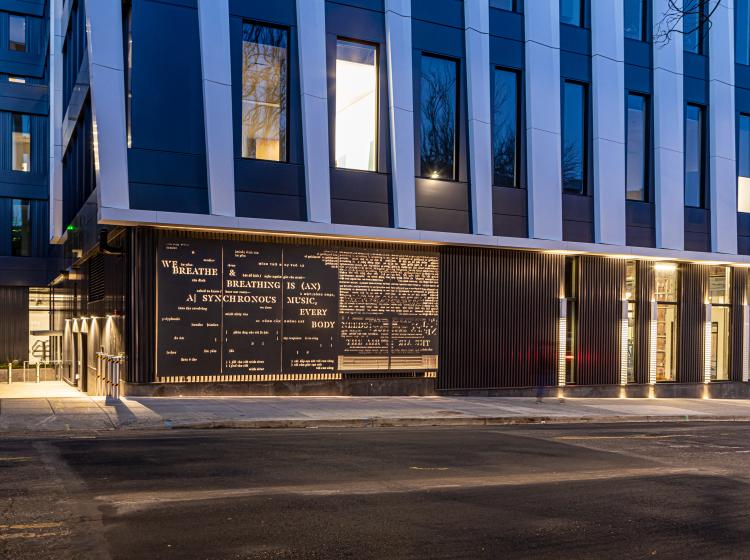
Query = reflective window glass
x=17 y=33
x=438 y=83
x=356 y=105
x=634 y=17
x=20 y=228
x=571 y=12
x=505 y=128
x=637 y=147
x=574 y=137
x=264 y=92
x=742 y=31
x=719 y=284
x=694 y=152
x=692 y=25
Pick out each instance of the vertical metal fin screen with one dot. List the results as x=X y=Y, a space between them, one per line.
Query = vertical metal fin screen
x=600 y=293
x=142 y=308
x=692 y=317
x=14 y=328
x=739 y=286
x=498 y=318
x=645 y=291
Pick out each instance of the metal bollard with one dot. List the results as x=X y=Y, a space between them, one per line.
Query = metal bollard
x=10 y=373
x=37 y=372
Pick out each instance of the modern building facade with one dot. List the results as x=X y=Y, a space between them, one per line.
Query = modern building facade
x=395 y=196
x=27 y=261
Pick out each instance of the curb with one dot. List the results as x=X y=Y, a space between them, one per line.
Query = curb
x=379 y=422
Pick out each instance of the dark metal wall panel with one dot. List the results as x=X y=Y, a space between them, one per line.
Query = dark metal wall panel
x=692 y=317
x=141 y=335
x=645 y=291
x=600 y=291
x=739 y=291
x=498 y=318
x=14 y=328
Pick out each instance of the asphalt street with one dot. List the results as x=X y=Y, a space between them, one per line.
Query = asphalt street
x=542 y=492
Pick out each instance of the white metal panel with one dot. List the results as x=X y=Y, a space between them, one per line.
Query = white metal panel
x=311 y=32
x=480 y=136
x=107 y=83
x=55 y=122
x=722 y=162
x=668 y=137
x=401 y=111
x=542 y=89
x=213 y=18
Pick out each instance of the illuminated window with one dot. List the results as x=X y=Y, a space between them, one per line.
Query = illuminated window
x=264 y=92
x=356 y=105
x=719 y=295
x=17 y=33
x=16 y=80
x=21 y=142
x=666 y=295
x=743 y=164
x=20 y=232
x=438 y=94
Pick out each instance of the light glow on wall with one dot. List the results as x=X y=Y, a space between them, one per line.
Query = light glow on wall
x=624 y=344
x=745 y=342
x=561 y=337
x=652 y=345
x=707 y=345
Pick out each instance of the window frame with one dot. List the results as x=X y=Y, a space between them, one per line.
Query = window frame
x=647 y=145
x=702 y=49
x=288 y=84
x=11 y=43
x=702 y=156
x=644 y=22
x=456 y=116
x=517 y=172
x=586 y=144
x=22 y=116
x=378 y=115
x=742 y=115
x=746 y=52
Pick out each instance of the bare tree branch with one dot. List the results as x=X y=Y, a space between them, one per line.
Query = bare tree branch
x=685 y=17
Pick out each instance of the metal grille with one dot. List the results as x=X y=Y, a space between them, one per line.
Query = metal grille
x=692 y=317
x=96 y=278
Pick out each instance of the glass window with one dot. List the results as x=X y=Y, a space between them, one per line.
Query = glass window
x=743 y=164
x=17 y=33
x=264 y=92
x=637 y=147
x=692 y=25
x=718 y=285
x=635 y=15
x=574 y=126
x=720 y=317
x=666 y=282
x=356 y=105
x=21 y=142
x=694 y=152
x=742 y=31
x=20 y=233
x=571 y=12
x=438 y=117
x=666 y=342
x=505 y=111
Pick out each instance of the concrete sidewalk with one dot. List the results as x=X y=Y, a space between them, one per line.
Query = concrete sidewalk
x=83 y=413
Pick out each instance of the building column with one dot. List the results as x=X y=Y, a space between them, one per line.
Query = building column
x=477 y=37
x=542 y=82
x=608 y=103
x=107 y=83
x=56 y=39
x=401 y=110
x=722 y=162
x=668 y=121
x=311 y=33
x=213 y=22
